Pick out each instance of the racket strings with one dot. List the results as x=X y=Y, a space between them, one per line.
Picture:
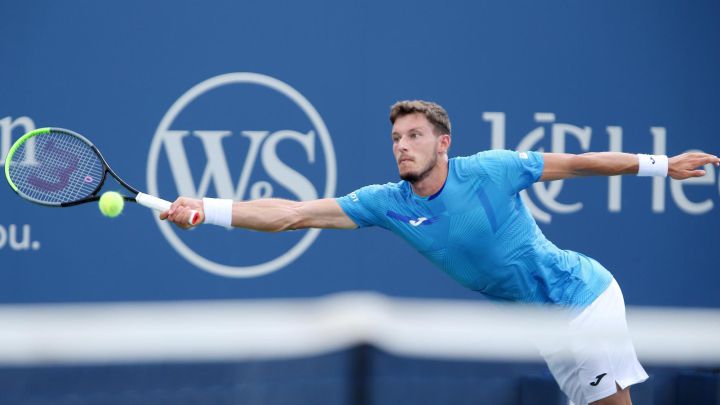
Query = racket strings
x=55 y=167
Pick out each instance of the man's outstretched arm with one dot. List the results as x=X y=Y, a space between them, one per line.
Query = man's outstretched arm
x=559 y=166
x=268 y=215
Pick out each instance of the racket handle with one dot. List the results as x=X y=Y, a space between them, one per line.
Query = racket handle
x=158 y=204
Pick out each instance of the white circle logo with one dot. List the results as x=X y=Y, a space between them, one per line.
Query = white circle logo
x=257 y=127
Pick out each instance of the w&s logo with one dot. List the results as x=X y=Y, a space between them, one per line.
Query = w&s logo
x=242 y=136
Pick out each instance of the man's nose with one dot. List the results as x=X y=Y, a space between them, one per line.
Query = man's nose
x=402 y=144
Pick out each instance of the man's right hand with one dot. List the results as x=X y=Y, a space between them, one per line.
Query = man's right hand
x=179 y=212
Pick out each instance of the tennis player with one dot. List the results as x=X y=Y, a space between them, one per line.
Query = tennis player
x=465 y=215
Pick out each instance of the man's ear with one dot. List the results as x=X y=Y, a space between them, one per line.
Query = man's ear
x=445 y=141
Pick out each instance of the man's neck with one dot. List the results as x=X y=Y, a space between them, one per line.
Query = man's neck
x=434 y=181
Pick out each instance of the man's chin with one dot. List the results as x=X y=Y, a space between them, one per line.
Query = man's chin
x=415 y=176
x=410 y=177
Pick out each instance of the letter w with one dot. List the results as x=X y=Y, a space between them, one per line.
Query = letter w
x=216 y=169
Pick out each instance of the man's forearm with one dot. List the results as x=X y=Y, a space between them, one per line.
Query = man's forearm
x=564 y=165
x=267 y=215
x=606 y=164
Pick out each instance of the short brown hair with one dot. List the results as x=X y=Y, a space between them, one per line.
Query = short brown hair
x=435 y=114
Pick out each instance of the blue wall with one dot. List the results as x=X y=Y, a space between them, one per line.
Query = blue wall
x=633 y=76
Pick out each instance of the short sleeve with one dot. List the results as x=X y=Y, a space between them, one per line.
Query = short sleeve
x=514 y=170
x=365 y=206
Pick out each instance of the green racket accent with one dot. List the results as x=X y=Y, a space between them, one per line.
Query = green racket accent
x=15 y=147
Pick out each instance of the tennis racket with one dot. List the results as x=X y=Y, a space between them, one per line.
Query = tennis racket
x=57 y=167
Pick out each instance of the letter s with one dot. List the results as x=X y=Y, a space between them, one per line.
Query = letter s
x=282 y=173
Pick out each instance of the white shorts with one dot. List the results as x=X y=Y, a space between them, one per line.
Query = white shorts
x=588 y=369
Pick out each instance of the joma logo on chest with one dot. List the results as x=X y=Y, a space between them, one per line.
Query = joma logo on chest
x=414 y=220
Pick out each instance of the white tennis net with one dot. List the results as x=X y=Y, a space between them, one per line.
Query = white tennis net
x=291 y=328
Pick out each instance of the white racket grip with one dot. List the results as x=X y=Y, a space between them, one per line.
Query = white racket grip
x=159 y=204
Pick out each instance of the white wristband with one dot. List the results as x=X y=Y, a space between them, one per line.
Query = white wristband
x=653 y=165
x=218 y=211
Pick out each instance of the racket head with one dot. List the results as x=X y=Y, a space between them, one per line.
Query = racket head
x=55 y=167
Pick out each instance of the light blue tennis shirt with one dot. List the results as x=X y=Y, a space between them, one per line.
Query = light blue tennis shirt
x=477 y=229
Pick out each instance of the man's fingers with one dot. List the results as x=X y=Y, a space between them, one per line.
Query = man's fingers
x=181 y=217
x=180 y=211
x=697 y=173
x=697 y=160
x=706 y=159
x=178 y=214
x=174 y=206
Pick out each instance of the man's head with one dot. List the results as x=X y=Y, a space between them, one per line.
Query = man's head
x=434 y=113
x=421 y=137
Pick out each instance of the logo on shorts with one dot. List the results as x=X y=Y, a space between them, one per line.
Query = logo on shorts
x=241 y=136
x=599 y=377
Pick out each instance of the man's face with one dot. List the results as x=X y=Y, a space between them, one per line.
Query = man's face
x=415 y=146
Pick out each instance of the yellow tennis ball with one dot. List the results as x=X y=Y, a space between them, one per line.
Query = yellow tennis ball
x=111 y=204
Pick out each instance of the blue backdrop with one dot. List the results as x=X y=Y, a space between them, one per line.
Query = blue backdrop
x=290 y=99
